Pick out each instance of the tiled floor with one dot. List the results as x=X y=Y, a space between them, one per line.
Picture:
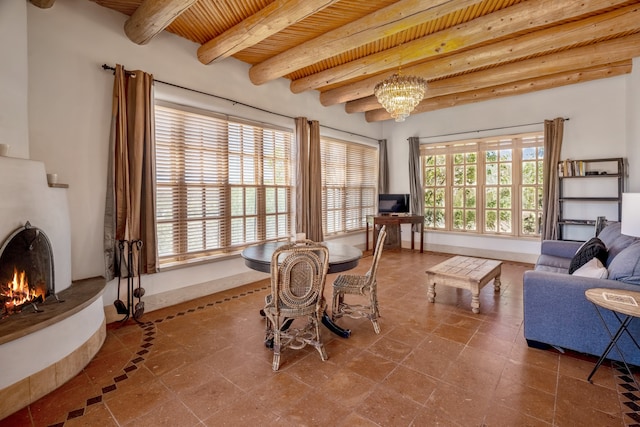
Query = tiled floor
x=204 y=363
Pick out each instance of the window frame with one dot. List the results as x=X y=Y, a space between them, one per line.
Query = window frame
x=480 y=146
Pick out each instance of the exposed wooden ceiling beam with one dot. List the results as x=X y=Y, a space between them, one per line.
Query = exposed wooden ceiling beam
x=385 y=22
x=153 y=16
x=274 y=18
x=512 y=20
x=605 y=52
x=513 y=88
x=43 y=4
x=618 y=22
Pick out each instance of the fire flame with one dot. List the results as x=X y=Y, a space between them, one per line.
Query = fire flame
x=18 y=292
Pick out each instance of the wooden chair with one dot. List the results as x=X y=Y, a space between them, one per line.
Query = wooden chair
x=363 y=285
x=298 y=275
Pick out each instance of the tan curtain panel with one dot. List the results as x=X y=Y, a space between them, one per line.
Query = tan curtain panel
x=553 y=133
x=314 y=226
x=130 y=201
x=415 y=180
x=383 y=168
x=308 y=179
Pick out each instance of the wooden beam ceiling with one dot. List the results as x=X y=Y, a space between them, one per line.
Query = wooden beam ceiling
x=592 y=29
x=467 y=50
x=268 y=21
x=153 y=16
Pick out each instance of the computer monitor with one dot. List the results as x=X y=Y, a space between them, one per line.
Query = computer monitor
x=393 y=203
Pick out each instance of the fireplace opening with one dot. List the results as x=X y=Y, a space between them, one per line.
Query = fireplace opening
x=26 y=270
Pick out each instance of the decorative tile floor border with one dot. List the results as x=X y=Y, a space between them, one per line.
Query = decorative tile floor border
x=145 y=347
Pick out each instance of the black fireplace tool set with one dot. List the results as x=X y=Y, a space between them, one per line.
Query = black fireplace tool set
x=130 y=308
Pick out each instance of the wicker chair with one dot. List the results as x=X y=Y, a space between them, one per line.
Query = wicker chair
x=364 y=285
x=298 y=275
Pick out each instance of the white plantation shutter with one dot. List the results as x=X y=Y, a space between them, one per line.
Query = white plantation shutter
x=349 y=185
x=222 y=184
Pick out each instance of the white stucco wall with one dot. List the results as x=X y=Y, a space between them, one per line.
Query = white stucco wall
x=14 y=128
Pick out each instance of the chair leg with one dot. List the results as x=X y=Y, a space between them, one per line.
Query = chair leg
x=374 y=312
x=319 y=344
x=276 y=344
x=336 y=312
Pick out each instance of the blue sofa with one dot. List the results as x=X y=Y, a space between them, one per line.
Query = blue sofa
x=556 y=311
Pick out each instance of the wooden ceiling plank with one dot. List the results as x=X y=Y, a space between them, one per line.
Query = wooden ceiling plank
x=43 y=4
x=382 y=23
x=512 y=88
x=495 y=26
x=591 y=29
x=272 y=19
x=153 y=16
x=605 y=52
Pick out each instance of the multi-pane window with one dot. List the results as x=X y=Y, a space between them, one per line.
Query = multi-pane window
x=221 y=183
x=349 y=185
x=488 y=186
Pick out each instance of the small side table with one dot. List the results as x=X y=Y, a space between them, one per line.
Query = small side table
x=625 y=305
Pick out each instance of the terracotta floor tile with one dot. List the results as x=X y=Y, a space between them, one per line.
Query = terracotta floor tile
x=371 y=366
x=451 y=405
x=526 y=400
x=347 y=388
x=204 y=362
x=387 y=408
x=138 y=401
x=411 y=384
x=433 y=356
x=166 y=415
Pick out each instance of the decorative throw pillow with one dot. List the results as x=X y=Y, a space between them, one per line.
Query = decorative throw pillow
x=626 y=265
x=593 y=248
x=593 y=268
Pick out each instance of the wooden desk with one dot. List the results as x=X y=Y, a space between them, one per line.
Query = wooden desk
x=394 y=220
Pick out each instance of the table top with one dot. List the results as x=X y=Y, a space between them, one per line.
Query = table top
x=341 y=257
x=463 y=266
x=618 y=300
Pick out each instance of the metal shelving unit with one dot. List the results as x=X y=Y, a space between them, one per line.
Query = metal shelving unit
x=587 y=189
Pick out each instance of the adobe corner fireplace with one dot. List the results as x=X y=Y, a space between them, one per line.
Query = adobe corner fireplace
x=41 y=349
x=26 y=270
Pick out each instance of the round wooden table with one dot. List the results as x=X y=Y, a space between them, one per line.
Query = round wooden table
x=341 y=257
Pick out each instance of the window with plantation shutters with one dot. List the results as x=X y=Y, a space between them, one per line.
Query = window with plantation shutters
x=485 y=186
x=222 y=184
x=349 y=185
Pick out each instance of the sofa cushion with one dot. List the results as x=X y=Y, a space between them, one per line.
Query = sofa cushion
x=614 y=240
x=610 y=233
x=593 y=268
x=626 y=265
x=593 y=248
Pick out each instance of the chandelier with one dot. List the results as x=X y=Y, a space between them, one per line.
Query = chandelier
x=399 y=94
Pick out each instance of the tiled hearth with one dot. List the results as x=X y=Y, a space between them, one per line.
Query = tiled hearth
x=203 y=362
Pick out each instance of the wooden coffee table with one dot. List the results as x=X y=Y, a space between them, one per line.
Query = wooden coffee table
x=465 y=273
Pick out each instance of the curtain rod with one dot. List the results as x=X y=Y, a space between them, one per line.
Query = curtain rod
x=234 y=102
x=483 y=130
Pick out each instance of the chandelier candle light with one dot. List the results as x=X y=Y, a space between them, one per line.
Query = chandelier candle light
x=399 y=94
